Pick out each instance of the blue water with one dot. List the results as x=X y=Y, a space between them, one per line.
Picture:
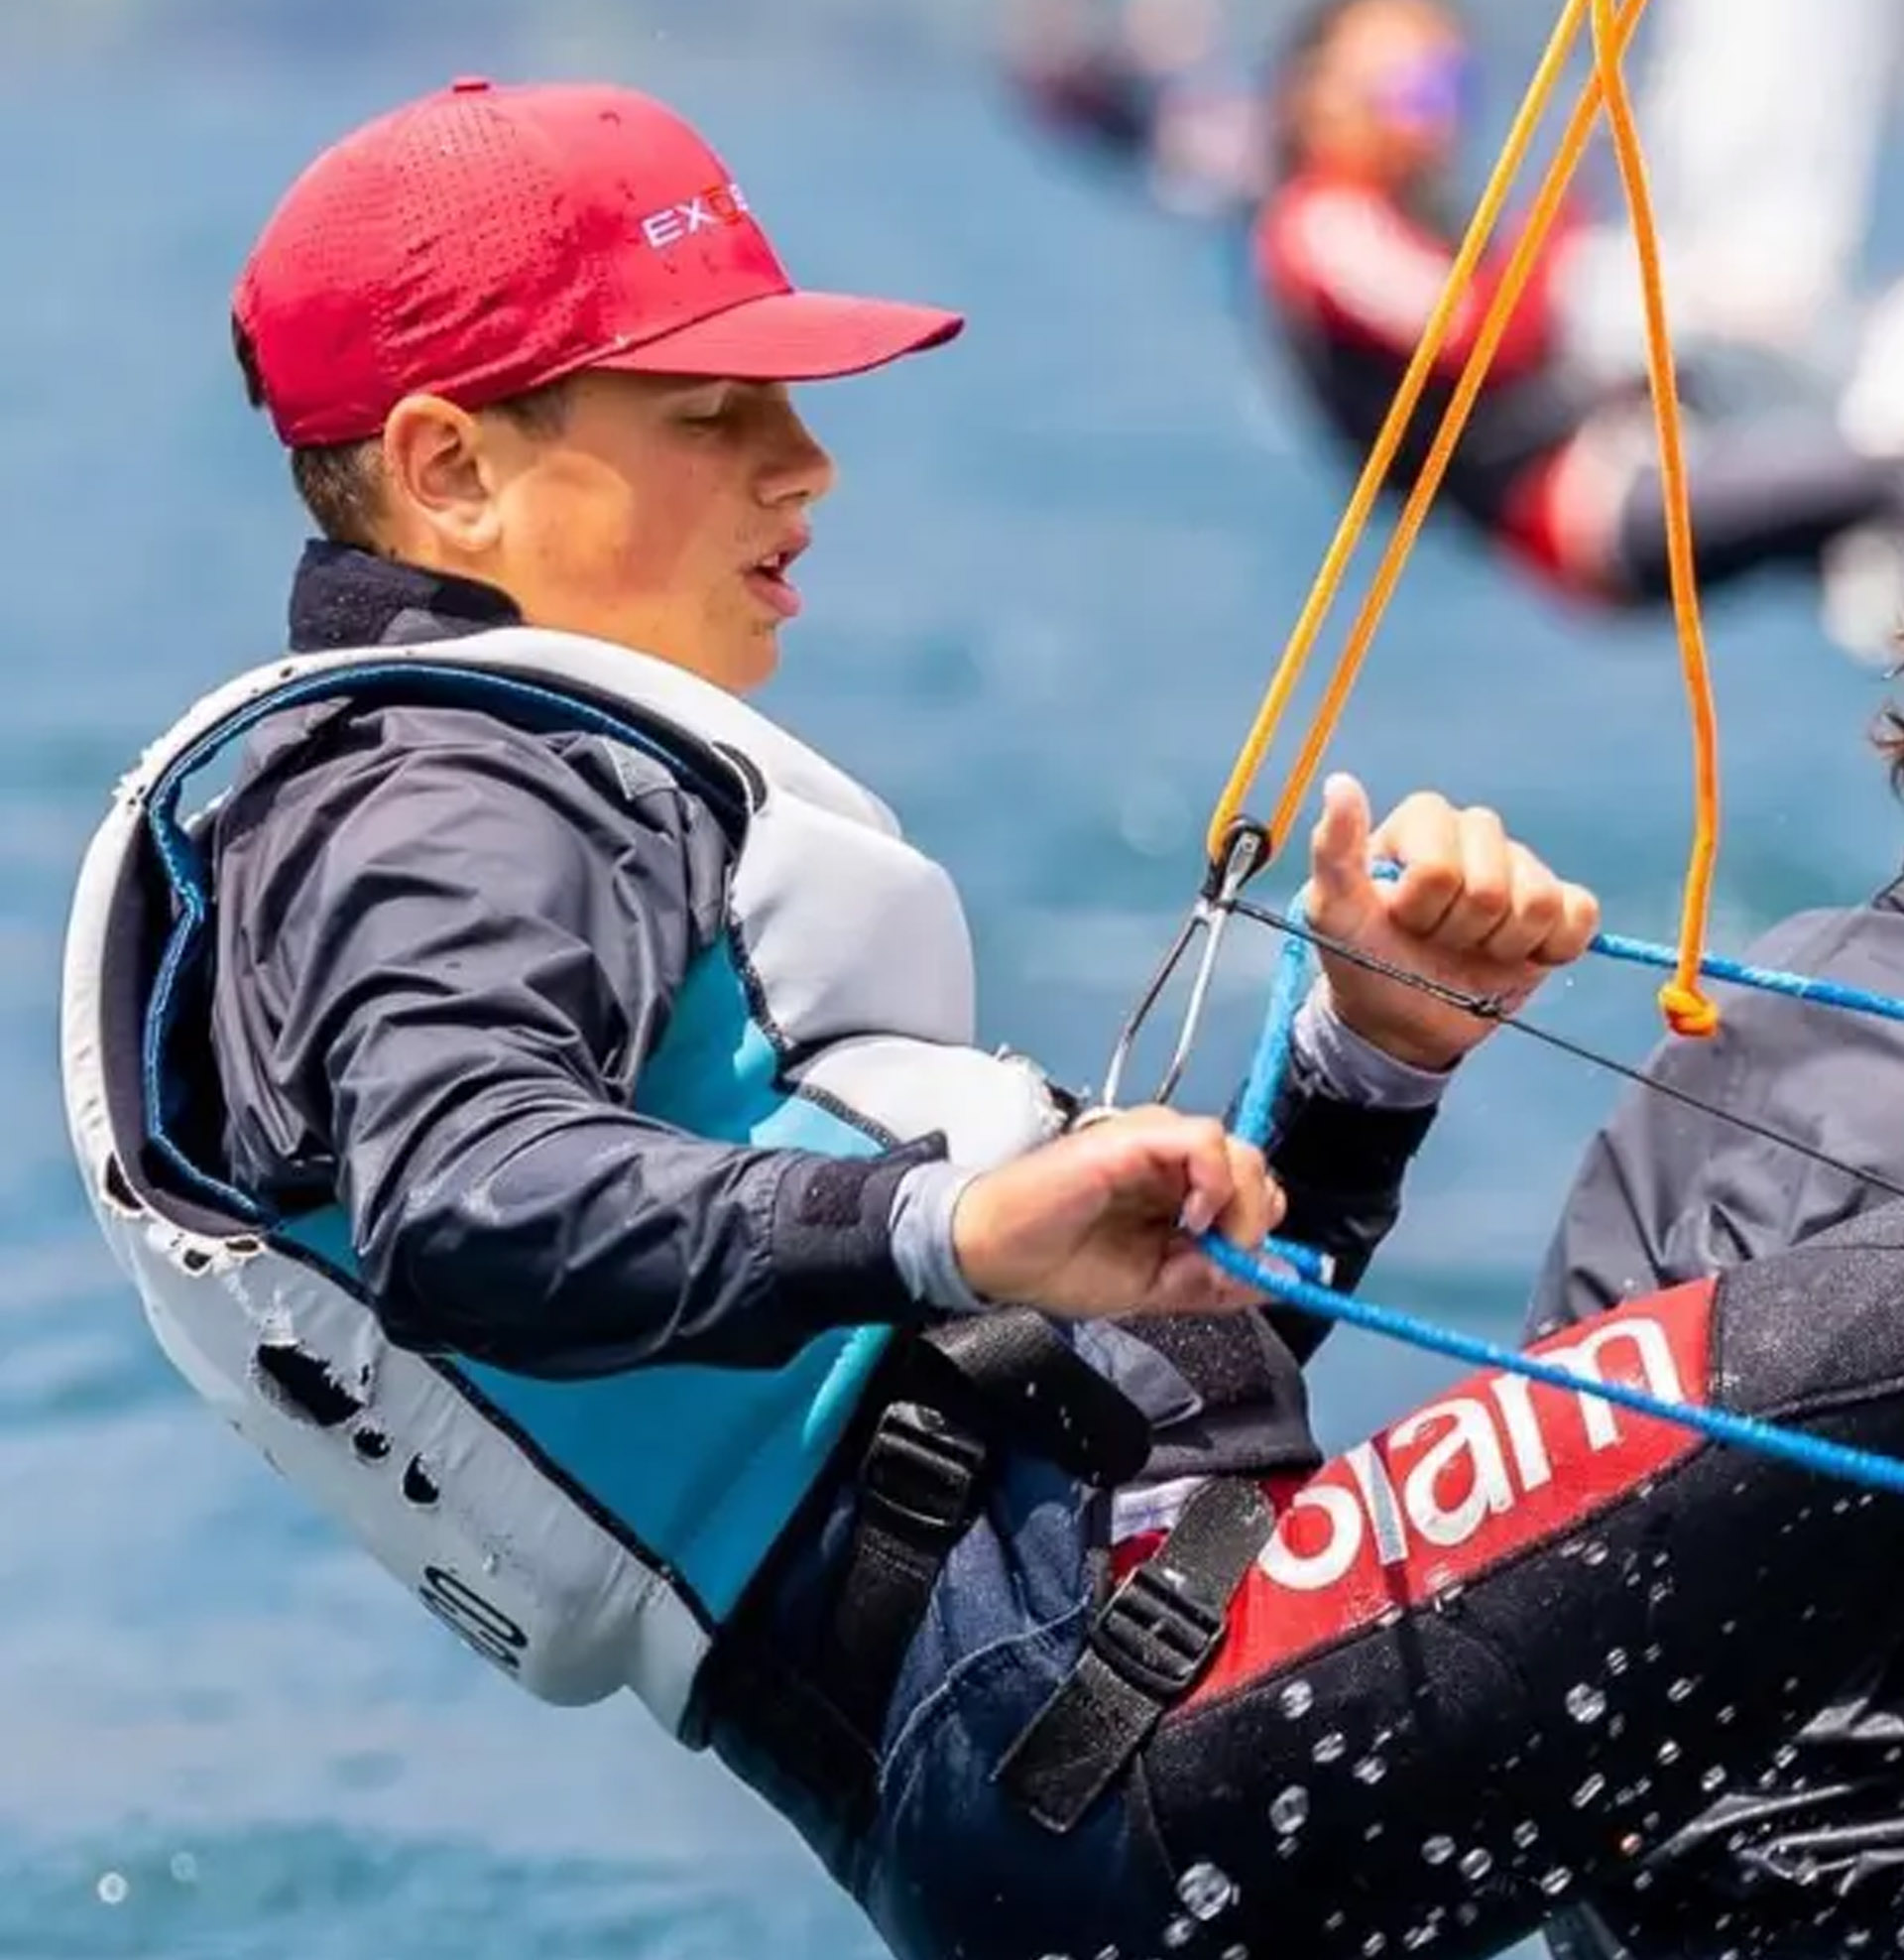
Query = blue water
x=1046 y=595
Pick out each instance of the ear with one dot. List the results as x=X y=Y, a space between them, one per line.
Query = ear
x=440 y=475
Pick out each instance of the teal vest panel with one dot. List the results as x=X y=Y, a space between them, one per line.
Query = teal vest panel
x=703 y=1467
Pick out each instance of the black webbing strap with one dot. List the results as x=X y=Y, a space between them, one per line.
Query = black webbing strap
x=1147 y=1649
x=952 y=1397
x=1008 y=1376
x=1004 y=1378
x=918 y=1490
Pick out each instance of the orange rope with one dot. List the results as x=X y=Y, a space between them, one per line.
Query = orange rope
x=1687 y=1010
x=1361 y=504
x=1420 y=500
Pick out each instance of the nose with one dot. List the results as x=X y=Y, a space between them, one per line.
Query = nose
x=799 y=470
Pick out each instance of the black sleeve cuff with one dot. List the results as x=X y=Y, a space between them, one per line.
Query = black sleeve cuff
x=832 y=1239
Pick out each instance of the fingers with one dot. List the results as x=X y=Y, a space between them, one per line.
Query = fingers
x=1228 y=1187
x=1341 y=888
x=1256 y=1204
x=1548 y=922
x=1423 y=835
x=1470 y=888
x=1225 y=1179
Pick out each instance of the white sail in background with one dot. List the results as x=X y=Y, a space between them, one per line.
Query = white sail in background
x=1765 y=122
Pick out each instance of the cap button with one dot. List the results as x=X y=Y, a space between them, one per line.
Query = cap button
x=471 y=84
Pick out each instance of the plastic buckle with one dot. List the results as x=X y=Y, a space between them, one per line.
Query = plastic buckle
x=1156 y=1634
x=921 y=1474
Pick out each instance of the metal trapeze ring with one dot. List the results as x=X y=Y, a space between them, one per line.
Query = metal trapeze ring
x=1247 y=849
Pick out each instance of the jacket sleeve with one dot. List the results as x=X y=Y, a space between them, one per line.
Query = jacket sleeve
x=1341 y=1163
x=1667 y=1194
x=1368 y=274
x=460 y=948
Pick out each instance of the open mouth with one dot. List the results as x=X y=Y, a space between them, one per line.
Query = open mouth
x=767 y=576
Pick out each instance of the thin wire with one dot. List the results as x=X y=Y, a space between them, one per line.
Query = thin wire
x=1490 y=1008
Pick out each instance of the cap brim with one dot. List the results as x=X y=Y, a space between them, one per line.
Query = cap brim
x=793 y=336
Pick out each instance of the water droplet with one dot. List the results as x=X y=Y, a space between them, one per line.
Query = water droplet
x=1388 y=1618
x=1335 y=1921
x=1416 y=1937
x=1659 y=1592
x=1784 y=1757
x=1204 y=1892
x=1588 y=1791
x=1669 y=1751
x=1583 y=1703
x=1329 y=1748
x=1616 y=1660
x=1726 y=1715
x=1373 y=1945
x=1629 y=1845
x=1680 y=1689
x=1652 y=1654
x=112 y=1888
x=1296 y=1700
x=1370 y=1770
x=1554 y=1882
x=1526 y=1833
x=184 y=1868
x=1448 y=1593
x=1290 y=1811
x=1179 y=1932
x=1236 y=1952
x=1595 y=1553
x=1438 y=1849
x=1476 y=1865
x=1712 y=1779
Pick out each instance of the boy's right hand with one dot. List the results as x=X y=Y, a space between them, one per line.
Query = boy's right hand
x=1101 y=1222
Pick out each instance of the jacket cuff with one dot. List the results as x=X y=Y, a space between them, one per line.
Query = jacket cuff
x=832 y=1237
x=922 y=1245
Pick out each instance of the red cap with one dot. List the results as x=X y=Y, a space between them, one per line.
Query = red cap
x=484 y=240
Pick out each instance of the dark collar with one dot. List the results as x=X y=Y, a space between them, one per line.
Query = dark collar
x=344 y=597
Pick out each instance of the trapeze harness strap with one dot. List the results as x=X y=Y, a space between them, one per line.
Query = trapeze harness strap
x=1150 y=1644
x=1010 y=1382
x=959 y=1395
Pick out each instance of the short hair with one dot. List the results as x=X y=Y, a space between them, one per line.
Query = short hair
x=341 y=484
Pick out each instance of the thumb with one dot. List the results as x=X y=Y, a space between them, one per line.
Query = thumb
x=1341 y=888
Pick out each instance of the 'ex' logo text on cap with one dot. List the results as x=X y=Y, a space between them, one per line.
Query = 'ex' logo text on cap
x=722 y=204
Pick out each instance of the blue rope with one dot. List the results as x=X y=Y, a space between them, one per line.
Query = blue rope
x=1767 y=979
x=1308 y=1291
x=1859 y=1466
x=1271 y=1060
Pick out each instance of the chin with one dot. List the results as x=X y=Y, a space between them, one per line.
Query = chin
x=752 y=661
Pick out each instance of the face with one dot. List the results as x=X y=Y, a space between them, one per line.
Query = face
x=661 y=513
x=1388 y=96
